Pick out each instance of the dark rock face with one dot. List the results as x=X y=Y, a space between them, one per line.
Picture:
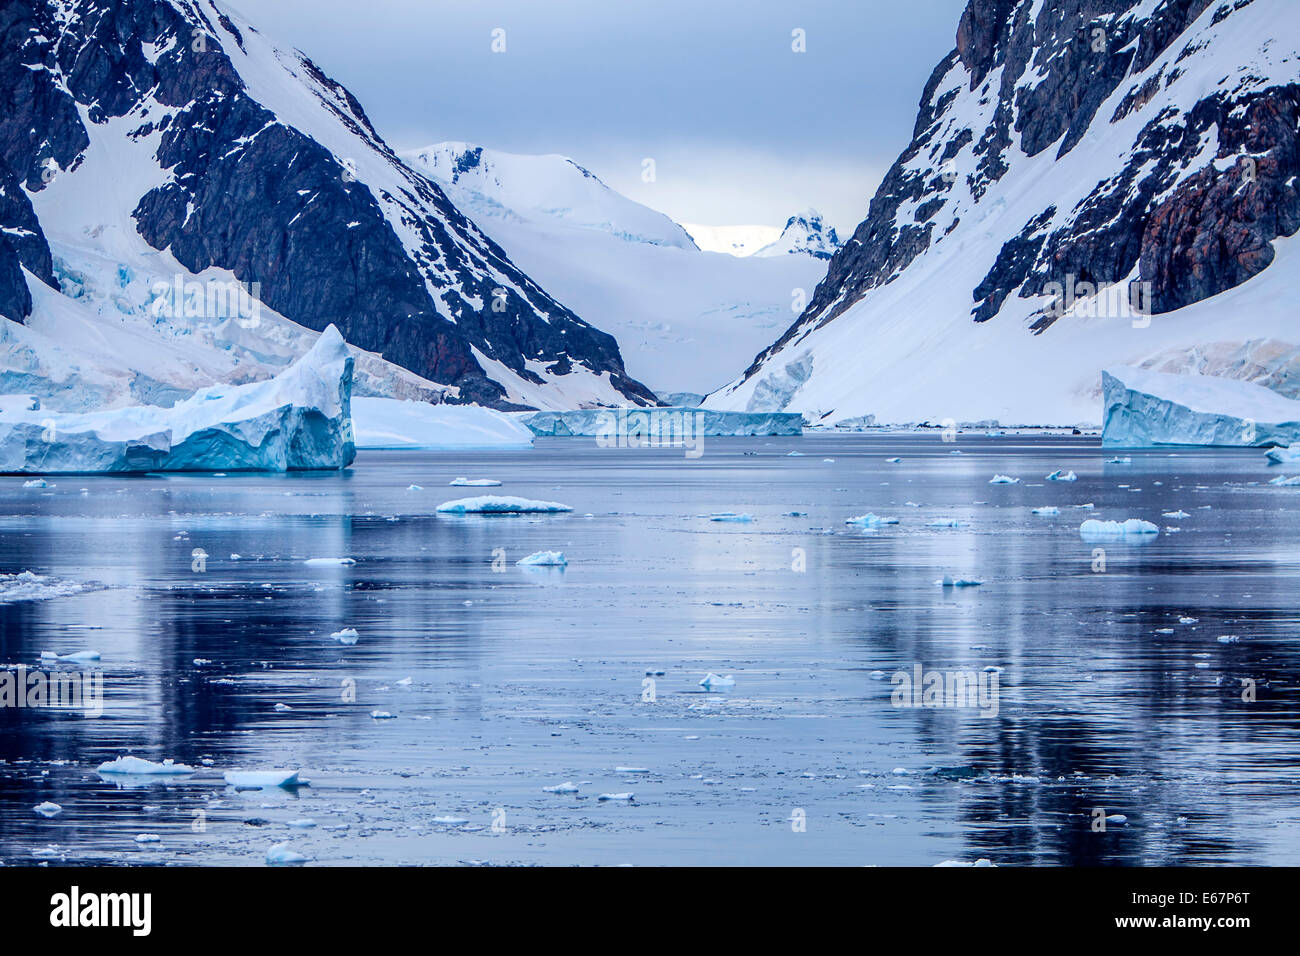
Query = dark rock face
x=382 y=254
x=22 y=244
x=1189 y=232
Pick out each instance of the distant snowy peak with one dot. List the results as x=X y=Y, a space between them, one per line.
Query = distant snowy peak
x=739 y=241
x=491 y=183
x=805 y=234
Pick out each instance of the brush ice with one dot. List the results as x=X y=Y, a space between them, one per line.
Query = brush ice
x=474 y=483
x=544 y=559
x=390 y=423
x=262 y=779
x=1142 y=408
x=500 y=505
x=298 y=420
x=138 y=765
x=1093 y=528
x=713 y=681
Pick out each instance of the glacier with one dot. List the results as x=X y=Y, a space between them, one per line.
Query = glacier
x=391 y=423
x=299 y=420
x=1143 y=408
x=649 y=422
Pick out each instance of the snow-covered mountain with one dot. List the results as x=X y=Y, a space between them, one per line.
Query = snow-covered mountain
x=804 y=234
x=686 y=320
x=154 y=143
x=733 y=240
x=1090 y=183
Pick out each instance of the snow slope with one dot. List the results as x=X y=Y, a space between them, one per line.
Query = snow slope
x=738 y=241
x=1164 y=152
x=685 y=320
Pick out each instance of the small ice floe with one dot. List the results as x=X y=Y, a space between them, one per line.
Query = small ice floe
x=1119 y=461
x=1189 y=620
x=235 y=557
x=48 y=809
x=957 y=452
x=1286 y=481
x=281 y=708
x=348 y=635
x=36 y=483
x=328 y=562
x=828 y=461
x=1059 y=475
x=1175 y=514
x=1047 y=511
x=631 y=769
x=1164 y=630
x=982 y=861
x=946 y=523
x=795 y=514
x=303 y=824
x=500 y=505
x=414 y=487
x=1116 y=818
x=1282 y=455
x=892 y=461
x=449 y=821
x=404 y=682
x=382 y=715
x=795 y=454
x=617 y=796
x=281 y=855
x=262 y=779
x=1003 y=480
x=1087 y=506
x=147 y=838
x=870 y=520
x=713 y=682
x=948 y=581
x=474 y=483
x=1229 y=639
x=731 y=516
x=1132 y=527
x=76 y=657
x=138 y=765
x=567 y=787
x=544 y=559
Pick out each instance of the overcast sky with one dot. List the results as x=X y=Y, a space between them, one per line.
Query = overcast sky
x=742 y=129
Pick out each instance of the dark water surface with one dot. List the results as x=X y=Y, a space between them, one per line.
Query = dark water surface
x=520 y=679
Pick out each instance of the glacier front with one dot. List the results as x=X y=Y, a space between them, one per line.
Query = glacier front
x=1143 y=408
x=300 y=419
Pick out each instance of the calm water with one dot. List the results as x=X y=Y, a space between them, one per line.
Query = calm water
x=520 y=679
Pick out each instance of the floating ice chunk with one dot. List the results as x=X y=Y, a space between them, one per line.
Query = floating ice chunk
x=1062 y=476
x=1093 y=528
x=1047 y=511
x=631 y=769
x=948 y=581
x=328 y=562
x=544 y=559
x=1003 y=480
x=1164 y=630
x=262 y=779
x=404 y=682
x=48 y=809
x=731 y=516
x=348 y=635
x=282 y=708
x=500 y=504
x=795 y=454
x=303 y=824
x=1116 y=818
x=147 y=838
x=474 y=483
x=1175 y=514
x=1188 y=620
x=137 y=765
x=617 y=796
x=451 y=821
x=893 y=461
x=415 y=487
x=569 y=787
x=281 y=855
x=300 y=419
x=1119 y=461
x=712 y=681
x=1229 y=639
x=1283 y=454
x=946 y=523
x=1283 y=480
x=828 y=461
x=870 y=520
x=382 y=715
x=36 y=483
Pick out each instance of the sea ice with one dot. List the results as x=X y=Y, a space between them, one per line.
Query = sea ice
x=948 y=581
x=474 y=483
x=617 y=796
x=328 y=562
x=280 y=854
x=48 y=809
x=1003 y=480
x=1283 y=480
x=731 y=516
x=1093 y=528
x=500 y=504
x=870 y=520
x=391 y=423
x=262 y=779
x=1175 y=514
x=1047 y=511
x=713 y=681
x=348 y=635
x=1062 y=476
x=137 y=765
x=569 y=787
x=546 y=559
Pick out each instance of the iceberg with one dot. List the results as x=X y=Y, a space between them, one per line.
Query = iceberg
x=1283 y=455
x=1003 y=480
x=500 y=505
x=387 y=423
x=1143 y=408
x=1093 y=528
x=655 y=427
x=474 y=483
x=48 y=809
x=870 y=520
x=280 y=855
x=301 y=419
x=137 y=765
x=1284 y=480
x=948 y=581
x=348 y=635
x=1062 y=476
x=712 y=681
x=262 y=779
x=544 y=559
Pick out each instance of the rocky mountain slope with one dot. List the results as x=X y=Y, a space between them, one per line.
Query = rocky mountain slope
x=1090 y=183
